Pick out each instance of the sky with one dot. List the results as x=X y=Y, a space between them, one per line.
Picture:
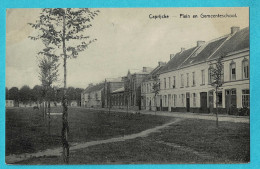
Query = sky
x=127 y=39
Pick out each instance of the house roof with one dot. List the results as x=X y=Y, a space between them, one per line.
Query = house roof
x=239 y=41
x=211 y=50
x=122 y=89
x=153 y=72
x=119 y=79
x=177 y=60
x=93 y=88
x=206 y=51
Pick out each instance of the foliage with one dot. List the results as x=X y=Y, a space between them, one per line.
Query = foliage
x=156 y=88
x=6 y=93
x=25 y=94
x=48 y=71
x=74 y=93
x=37 y=93
x=59 y=25
x=13 y=94
x=156 y=85
x=217 y=73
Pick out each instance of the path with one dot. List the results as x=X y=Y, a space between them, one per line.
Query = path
x=221 y=117
x=226 y=118
x=75 y=146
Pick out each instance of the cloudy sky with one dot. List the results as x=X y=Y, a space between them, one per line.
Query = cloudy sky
x=127 y=40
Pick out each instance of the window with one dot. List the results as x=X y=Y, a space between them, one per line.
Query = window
x=173 y=86
x=245 y=67
x=182 y=99
x=165 y=100
x=193 y=79
x=175 y=100
x=202 y=77
x=182 y=81
x=147 y=88
x=232 y=70
x=194 y=99
x=210 y=75
x=169 y=82
x=245 y=98
x=219 y=99
x=188 y=79
x=164 y=83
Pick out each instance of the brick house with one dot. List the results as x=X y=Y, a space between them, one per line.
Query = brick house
x=111 y=85
x=132 y=87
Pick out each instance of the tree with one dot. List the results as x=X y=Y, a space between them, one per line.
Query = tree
x=48 y=75
x=37 y=94
x=13 y=94
x=6 y=93
x=25 y=94
x=156 y=89
x=216 y=75
x=62 y=29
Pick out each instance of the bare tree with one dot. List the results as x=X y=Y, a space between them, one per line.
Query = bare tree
x=216 y=75
x=156 y=89
x=63 y=29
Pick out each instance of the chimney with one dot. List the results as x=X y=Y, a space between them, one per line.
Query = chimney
x=144 y=69
x=182 y=49
x=200 y=43
x=171 y=56
x=161 y=63
x=234 y=29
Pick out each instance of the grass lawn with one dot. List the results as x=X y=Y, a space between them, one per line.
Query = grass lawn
x=227 y=144
x=230 y=142
x=27 y=131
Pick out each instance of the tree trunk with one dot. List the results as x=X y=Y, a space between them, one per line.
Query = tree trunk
x=127 y=105
x=109 y=104
x=155 y=101
x=217 y=107
x=49 y=117
x=65 y=125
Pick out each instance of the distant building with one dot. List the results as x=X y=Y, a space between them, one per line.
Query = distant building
x=185 y=81
x=93 y=96
x=9 y=103
x=110 y=86
x=117 y=98
x=147 y=92
x=132 y=87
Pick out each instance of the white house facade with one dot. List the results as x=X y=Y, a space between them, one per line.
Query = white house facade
x=185 y=81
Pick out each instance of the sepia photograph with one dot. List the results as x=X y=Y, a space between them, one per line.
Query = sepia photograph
x=127 y=86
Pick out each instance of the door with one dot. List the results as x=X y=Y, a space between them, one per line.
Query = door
x=231 y=100
x=150 y=105
x=211 y=101
x=188 y=102
x=203 y=101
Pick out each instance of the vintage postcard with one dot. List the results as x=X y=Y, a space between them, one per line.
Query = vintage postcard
x=127 y=86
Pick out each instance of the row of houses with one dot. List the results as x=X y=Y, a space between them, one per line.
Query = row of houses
x=184 y=81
